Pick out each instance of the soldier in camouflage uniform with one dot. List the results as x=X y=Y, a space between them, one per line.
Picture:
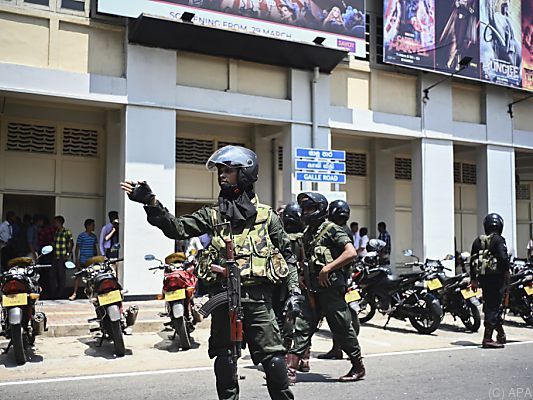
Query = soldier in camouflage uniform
x=262 y=251
x=339 y=213
x=328 y=249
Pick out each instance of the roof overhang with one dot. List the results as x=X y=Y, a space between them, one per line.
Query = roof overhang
x=153 y=31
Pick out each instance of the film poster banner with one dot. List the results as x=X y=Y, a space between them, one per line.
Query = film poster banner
x=457 y=36
x=340 y=22
x=527 y=44
x=501 y=42
x=409 y=32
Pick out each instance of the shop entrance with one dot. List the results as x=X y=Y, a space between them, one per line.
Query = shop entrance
x=22 y=204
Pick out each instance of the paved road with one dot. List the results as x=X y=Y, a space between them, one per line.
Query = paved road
x=452 y=373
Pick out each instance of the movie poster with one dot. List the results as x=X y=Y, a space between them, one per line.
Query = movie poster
x=501 y=41
x=409 y=32
x=457 y=36
x=527 y=44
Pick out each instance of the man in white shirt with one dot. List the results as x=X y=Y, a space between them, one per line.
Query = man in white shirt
x=6 y=233
x=361 y=251
x=354 y=227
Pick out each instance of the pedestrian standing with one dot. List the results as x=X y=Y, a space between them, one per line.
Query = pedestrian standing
x=109 y=236
x=361 y=251
x=354 y=227
x=489 y=268
x=86 y=248
x=385 y=236
x=6 y=234
x=63 y=244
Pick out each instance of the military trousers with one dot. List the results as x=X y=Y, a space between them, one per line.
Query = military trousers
x=261 y=335
x=330 y=304
x=493 y=287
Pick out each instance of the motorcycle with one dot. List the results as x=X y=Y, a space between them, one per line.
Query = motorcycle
x=519 y=295
x=402 y=298
x=106 y=294
x=20 y=321
x=179 y=285
x=454 y=293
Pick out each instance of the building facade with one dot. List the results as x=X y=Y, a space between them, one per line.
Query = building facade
x=82 y=107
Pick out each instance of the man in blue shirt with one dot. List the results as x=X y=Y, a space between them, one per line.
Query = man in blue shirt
x=384 y=235
x=86 y=246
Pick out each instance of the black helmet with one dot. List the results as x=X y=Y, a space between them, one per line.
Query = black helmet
x=291 y=216
x=339 y=212
x=316 y=200
x=493 y=223
x=236 y=157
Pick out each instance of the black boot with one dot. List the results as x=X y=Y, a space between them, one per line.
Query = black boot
x=500 y=335
x=304 y=366
x=357 y=371
x=488 y=343
x=334 y=354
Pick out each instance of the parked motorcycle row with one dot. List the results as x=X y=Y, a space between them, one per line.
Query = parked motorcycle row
x=422 y=297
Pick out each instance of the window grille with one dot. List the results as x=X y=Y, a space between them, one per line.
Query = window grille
x=80 y=142
x=280 y=158
x=468 y=174
x=456 y=172
x=31 y=138
x=356 y=164
x=523 y=192
x=193 y=151
x=222 y=144
x=402 y=169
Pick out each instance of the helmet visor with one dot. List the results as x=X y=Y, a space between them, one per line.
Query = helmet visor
x=230 y=156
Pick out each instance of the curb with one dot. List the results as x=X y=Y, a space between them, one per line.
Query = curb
x=145 y=326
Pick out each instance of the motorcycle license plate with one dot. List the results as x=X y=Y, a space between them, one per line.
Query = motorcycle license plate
x=12 y=300
x=112 y=297
x=468 y=293
x=529 y=290
x=434 y=284
x=175 y=295
x=352 y=295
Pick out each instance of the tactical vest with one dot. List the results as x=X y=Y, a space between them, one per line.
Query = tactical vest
x=254 y=252
x=484 y=262
x=319 y=255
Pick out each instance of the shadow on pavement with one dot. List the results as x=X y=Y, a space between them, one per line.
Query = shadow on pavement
x=465 y=343
x=397 y=330
x=107 y=350
x=172 y=345
x=454 y=328
x=8 y=360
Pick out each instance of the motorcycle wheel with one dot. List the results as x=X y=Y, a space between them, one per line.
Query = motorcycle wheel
x=118 y=338
x=181 y=329
x=18 y=344
x=528 y=318
x=428 y=321
x=472 y=321
x=367 y=308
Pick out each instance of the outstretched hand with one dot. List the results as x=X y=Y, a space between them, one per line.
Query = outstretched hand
x=139 y=192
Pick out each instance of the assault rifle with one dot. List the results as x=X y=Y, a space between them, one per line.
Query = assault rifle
x=232 y=296
x=304 y=265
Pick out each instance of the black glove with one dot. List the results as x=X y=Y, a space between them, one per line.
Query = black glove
x=293 y=305
x=142 y=193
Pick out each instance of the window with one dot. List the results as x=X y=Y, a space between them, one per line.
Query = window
x=193 y=151
x=523 y=192
x=464 y=173
x=80 y=142
x=31 y=138
x=402 y=169
x=356 y=164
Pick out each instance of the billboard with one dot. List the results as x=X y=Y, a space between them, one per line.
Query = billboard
x=435 y=35
x=340 y=22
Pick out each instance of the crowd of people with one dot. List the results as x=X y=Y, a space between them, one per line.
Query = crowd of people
x=27 y=236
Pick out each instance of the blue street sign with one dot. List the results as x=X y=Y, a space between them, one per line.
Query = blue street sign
x=321 y=154
x=320 y=177
x=321 y=165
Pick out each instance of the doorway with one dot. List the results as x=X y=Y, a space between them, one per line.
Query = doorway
x=22 y=204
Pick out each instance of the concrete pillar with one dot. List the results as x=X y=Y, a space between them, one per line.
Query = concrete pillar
x=266 y=148
x=300 y=133
x=496 y=189
x=433 y=198
x=496 y=166
x=114 y=162
x=149 y=152
x=383 y=191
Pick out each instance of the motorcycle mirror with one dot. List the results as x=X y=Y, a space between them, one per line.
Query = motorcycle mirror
x=408 y=252
x=149 y=257
x=70 y=265
x=46 y=250
x=449 y=257
x=116 y=246
x=465 y=254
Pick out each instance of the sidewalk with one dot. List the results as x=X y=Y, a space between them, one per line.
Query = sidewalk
x=69 y=318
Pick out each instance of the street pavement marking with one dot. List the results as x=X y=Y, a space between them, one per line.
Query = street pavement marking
x=210 y=368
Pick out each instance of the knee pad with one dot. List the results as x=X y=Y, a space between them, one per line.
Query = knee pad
x=224 y=371
x=276 y=372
